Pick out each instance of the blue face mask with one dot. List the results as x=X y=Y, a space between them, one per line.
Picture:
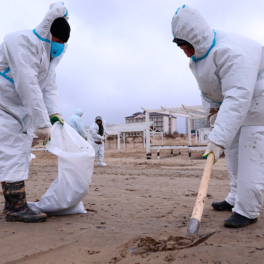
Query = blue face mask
x=56 y=49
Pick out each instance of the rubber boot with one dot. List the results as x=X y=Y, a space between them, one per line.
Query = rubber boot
x=6 y=208
x=237 y=220
x=19 y=210
x=222 y=206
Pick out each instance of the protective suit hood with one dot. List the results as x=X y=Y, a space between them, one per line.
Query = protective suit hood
x=78 y=112
x=56 y=10
x=76 y=122
x=189 y=25
x=98 y=118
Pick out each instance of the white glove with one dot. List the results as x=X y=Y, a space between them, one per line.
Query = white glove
x=215 y=149
x=43 y=133
x=56 y=117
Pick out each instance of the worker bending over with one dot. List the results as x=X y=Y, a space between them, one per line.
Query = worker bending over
x=229 y=70
x=29 y=102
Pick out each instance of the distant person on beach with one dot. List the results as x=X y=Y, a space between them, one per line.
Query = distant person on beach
x=229 y=70
x=97 y=136
x=75 y=121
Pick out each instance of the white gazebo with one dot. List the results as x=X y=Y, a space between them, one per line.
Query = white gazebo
x=190 y=112
x=130 y=130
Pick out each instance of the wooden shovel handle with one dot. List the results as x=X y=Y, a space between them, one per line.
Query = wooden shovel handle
x=202 y=193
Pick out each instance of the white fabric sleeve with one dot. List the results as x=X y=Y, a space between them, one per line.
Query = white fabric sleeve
x=24 y=62
x=81 y=128
x=94 y=132
x=51 y=96
x=238 y=70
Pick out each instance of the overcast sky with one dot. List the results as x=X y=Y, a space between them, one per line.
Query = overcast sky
x=121 y=56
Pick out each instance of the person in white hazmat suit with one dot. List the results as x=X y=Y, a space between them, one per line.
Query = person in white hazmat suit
x=75 y=121
x=29 y=102
x=229 y=70
x=97 y=136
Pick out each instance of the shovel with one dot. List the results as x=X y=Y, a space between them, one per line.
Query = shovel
x=193 y=239
x=194 y=223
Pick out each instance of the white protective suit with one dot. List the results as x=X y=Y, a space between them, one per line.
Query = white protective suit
x=29 y=93
x=229 y=71
x=75 y=121
x=95 y=137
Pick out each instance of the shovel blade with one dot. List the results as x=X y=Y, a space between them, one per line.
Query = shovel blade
x=201 y=239
x=192 y=232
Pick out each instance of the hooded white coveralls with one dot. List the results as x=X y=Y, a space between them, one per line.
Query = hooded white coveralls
x=94 y=136
x=29 y=93
x=229 y=71
x=75 y=121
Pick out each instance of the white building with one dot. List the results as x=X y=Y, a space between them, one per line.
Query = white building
x=162 y=122
x=197 y=123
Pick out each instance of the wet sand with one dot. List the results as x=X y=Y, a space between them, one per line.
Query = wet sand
x=131 y=198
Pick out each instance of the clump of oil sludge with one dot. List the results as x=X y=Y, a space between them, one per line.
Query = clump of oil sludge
x=149 y=244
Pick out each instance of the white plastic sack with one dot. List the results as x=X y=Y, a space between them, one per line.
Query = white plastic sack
x=75 y=169
x=32 y=156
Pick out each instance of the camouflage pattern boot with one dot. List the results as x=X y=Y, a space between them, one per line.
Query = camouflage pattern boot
x=18 y=210
x=7 y=204
x=6 y=208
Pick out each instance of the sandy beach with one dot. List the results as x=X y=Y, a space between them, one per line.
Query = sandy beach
x=131 y=198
